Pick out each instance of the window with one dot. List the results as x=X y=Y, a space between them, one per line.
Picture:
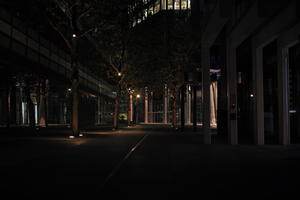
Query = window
x=177 y=4
x=184 y=4
x=150 y=11
x=170 y=4
x=157 y=7
x=188 y=4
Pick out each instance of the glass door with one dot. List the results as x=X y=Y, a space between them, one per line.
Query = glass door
x=270 y=93
x=294 y=92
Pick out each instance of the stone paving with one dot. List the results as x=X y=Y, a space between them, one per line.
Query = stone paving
x=144 y=162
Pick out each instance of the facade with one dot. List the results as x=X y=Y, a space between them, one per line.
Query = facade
x=35 y=84
x=148 y=8
x=254 y=48
x=260 y=40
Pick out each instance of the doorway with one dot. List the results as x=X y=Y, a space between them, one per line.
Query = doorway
x=294 y=92
x=270 y=77
x=244 y=93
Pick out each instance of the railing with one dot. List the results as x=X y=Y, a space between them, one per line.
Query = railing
x=17 y=36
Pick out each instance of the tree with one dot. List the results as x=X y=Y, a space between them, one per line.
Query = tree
x=73 y=20
x=162 y=51
x=113 y=46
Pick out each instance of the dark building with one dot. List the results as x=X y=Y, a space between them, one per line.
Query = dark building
x=247 y=76
x=253 y=48
x=35 y=83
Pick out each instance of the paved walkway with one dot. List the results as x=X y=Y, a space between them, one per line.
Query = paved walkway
x=145 y=162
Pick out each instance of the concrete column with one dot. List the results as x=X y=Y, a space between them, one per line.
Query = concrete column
x=258 y=95
x=213 y=104
x=151 y=108
x=166 y=100
x=205 y=63
x=194 y=107
x=283 y=93
x=182 y=106
x=232 y=93
x=146 y=107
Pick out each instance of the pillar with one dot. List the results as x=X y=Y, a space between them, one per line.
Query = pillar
x=258 y=95
x=182 y=106
x=146 y=106
x=205 y=63
x=194 y=107
x=151 y=108
x=213 y=103
x=283 y=88
x=232 y=93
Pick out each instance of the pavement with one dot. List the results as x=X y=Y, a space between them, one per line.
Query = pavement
x=144 y=162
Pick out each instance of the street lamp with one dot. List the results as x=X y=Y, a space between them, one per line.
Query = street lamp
x=74 y=35
x=119 y=74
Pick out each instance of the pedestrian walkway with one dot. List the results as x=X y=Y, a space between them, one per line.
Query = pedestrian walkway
x=145 y=162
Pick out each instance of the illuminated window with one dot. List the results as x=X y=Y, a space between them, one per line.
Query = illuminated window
x=157 y=7
x=150 y=11
x=170 y=4
x=163 y=5
x=184 y=4
x=189 y=4
x=177 y=4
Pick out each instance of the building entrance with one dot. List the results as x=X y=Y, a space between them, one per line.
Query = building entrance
x=244 y=93
x=294 y=92
x=270 y=87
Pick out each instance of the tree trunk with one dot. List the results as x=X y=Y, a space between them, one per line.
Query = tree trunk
x=116 y=111
x=43 y=104
x=174 y=113
x=75 y=103
x=75 y=85
x=129 y=110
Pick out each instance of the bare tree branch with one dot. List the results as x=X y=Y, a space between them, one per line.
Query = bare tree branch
x=112 y=64
x=68 y=43
x=86 y=32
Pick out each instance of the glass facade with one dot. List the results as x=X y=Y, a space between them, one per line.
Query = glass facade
x=270 y=86
x=184 y=4
x=151 y=8
x=177 y=4
x=170 y=4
